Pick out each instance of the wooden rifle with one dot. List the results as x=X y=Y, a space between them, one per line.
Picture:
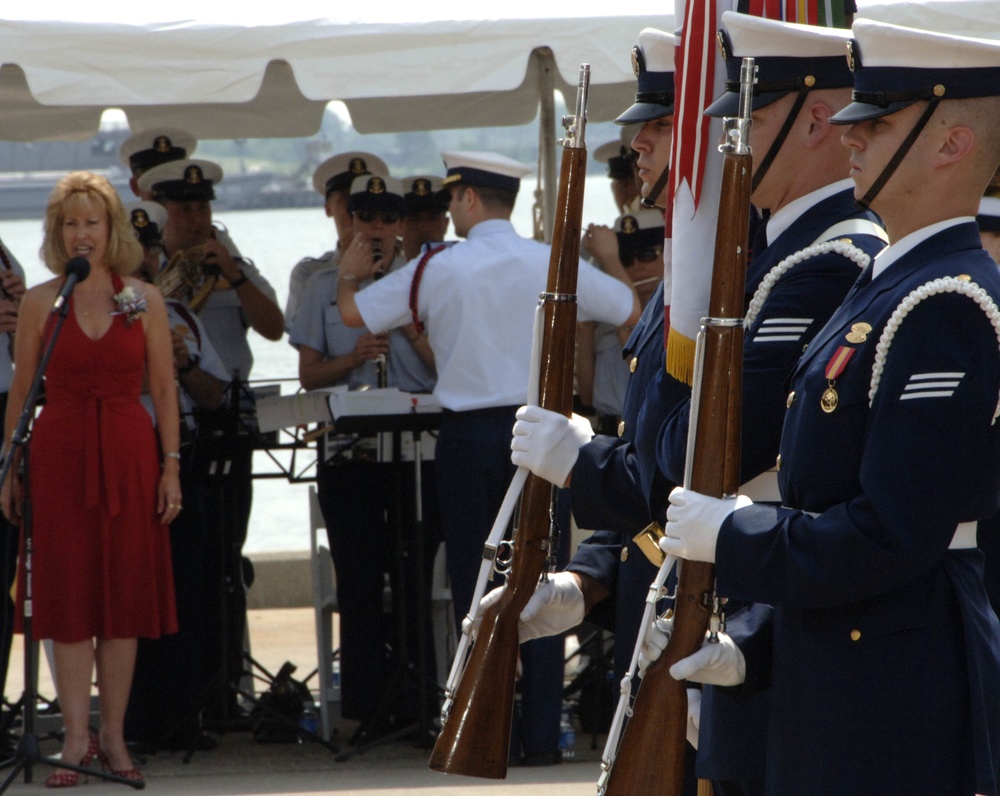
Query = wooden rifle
x=650 y=755
x=475 y=736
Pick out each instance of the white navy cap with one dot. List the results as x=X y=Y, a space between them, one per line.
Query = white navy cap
x=894 y=67
x=375 y=192
x=148 y=220
x=338 y=172
x=484 y=169
x=789 y=58
x=653 y=65
x=182 y=180
x=424 y=193
x=640 y=230
x=142 y=151
x=988 y=217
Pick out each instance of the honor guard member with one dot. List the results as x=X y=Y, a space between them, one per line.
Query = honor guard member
x=882 y=651
x=620 y=159
x=477 y=300
x=608 y=567
x=11 y=290
x=988 y=220
x=242 y=299
x=635 y=244
x=171 y=672
x=357 y=492
x=332 y=180
x=425 y=213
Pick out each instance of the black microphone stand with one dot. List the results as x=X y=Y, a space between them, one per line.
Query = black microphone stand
x=28 y=751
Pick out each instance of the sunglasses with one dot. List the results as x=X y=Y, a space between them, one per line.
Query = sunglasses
x=642 y=255
x=368 y=216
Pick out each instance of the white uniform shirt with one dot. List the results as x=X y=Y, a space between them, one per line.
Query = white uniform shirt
x=301 y=273
x=477 y=300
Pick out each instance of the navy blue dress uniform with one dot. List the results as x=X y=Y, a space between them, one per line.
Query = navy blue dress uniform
x=882 y=652
x=805 y=258
x=605 y=490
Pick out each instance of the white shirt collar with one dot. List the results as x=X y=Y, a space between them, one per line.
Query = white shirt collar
x=790 y=213
x=906 y=244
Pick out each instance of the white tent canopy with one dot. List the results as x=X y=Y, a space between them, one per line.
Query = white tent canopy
x=226 y=80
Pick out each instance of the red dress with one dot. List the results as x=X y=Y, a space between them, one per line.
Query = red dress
x=101 y=563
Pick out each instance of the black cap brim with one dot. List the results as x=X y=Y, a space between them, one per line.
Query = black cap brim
x=728 y=105
x=863 y=111
x=642 y=112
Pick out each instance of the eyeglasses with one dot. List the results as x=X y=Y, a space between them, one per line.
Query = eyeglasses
x=368 y=216
x=642 y=255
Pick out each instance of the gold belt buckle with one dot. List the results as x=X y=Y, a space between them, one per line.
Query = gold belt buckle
x=648 y=542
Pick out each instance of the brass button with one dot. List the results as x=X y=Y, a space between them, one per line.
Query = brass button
x=633 y=364
x=621 y=428
x=855 y=634
x=777 y=462
x=790 y=400
x=624 y=554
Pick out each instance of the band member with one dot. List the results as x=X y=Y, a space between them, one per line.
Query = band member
x=359 y=493
x=241 y=299
x=168 y=686
x=882 y=650
x=425 y=214
x=11 y=291
x=332 y=179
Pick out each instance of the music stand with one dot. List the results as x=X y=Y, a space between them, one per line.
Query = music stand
x=414 y=422
x=28 y=751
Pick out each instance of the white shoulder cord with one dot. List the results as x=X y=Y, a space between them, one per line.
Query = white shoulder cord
x=946 y=284
x=842 y=247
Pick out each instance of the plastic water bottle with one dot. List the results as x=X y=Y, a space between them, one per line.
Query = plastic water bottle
x=567 y=735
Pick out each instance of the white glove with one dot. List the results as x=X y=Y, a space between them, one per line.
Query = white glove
x=694 y=521
x=716 y=663
x=694 y=716
x=654 y=643
x=556 y=606
x=547 y=443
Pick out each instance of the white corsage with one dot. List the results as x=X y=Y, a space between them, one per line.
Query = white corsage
x=130 y=304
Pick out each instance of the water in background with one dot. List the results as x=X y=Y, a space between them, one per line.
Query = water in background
x=276 y=240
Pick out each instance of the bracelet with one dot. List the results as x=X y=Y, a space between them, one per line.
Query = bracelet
x=349 y=277
x=172 y=455
x=242 y=280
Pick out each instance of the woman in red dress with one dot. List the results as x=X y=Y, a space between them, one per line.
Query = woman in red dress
x=103 y=489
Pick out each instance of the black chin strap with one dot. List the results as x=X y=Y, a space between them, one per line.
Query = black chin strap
x=904 y=147
x=657 y=189
x=779 y=139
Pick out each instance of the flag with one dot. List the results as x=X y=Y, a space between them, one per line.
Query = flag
x=695 y=163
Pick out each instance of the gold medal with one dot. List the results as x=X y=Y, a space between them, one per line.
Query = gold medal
x=829 y=399
x=859 y=332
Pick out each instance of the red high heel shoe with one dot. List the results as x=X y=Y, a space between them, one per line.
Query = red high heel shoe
x=65 y=778
x=131 y=774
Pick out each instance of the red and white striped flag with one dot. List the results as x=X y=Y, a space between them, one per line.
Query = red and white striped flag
x=695 y=163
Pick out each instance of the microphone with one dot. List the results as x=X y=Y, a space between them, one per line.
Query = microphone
x=77 y=270
x=378 y=257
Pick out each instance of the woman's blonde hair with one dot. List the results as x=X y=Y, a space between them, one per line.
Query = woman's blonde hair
x=124 y=252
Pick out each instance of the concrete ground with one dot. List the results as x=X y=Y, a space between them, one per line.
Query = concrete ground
x=241 y=766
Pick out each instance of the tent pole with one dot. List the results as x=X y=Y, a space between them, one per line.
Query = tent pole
x=546 y=139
